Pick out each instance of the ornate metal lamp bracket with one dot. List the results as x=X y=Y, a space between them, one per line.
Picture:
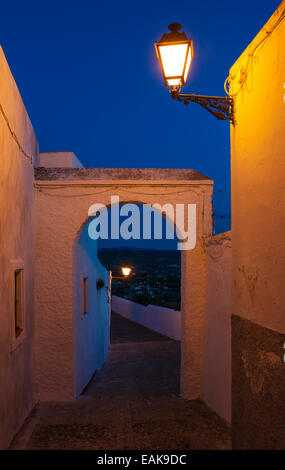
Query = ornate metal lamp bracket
x=220 y=106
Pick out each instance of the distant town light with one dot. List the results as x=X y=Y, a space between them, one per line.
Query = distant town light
x=126 y=271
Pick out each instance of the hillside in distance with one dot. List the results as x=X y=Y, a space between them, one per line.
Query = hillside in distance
x=155 y=277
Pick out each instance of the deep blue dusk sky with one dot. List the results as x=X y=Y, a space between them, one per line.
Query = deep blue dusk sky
x=91 y=83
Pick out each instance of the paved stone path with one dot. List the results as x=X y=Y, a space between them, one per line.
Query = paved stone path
x=131 y=403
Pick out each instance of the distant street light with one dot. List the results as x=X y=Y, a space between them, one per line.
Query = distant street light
x=126 y=271
x=175 y=53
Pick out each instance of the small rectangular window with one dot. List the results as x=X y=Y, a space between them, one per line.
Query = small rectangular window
x=19 y=301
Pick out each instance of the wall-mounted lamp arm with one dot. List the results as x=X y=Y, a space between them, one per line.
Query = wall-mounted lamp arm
x=220 y=106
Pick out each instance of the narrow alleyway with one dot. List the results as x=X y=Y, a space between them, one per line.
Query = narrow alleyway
x=131 y=403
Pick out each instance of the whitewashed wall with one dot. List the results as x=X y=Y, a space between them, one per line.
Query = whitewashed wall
x=91 y=330
x=163 y=320
x=59 y=160
x=216 y=385
x=16 y=250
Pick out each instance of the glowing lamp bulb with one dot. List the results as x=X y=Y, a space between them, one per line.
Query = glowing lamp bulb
x=126 y=271
x=174 y=52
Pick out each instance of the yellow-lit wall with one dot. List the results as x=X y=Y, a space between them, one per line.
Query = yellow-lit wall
x=258 y=240
x=258 y=179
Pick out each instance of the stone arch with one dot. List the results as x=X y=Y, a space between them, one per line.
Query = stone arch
x=63 y=197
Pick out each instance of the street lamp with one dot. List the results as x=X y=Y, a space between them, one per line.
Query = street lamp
x=126 y=271
x=175 y=53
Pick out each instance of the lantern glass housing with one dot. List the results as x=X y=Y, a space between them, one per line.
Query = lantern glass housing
x=126 y=271
x=174 y=52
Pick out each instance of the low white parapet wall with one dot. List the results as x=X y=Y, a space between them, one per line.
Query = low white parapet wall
x=160 y=319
